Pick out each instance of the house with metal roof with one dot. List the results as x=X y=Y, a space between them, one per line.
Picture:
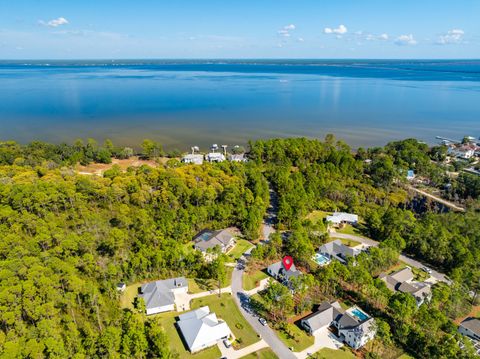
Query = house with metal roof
x=192 y=158
x=402 y=281
x=339 y=218
x=353 y=326
x=237 y=157
x=160 y=296
x=337 y=250
x=470 y=327
x=322 y=318
x=283 y=275
x=201 y=329
x=215 y=157
x=207 y=239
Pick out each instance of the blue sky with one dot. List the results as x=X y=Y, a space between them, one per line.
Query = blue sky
x=48 y=29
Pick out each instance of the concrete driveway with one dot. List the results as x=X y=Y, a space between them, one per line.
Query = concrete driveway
x=231 y=353
x=324 y=338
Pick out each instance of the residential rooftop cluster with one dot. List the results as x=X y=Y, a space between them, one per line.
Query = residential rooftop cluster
x=466 y=149
x=215 y=155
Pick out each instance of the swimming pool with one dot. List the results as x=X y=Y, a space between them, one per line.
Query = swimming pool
x=321 y=259
x=359 y=314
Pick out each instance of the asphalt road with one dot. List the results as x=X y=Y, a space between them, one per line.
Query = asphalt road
x=265 y=332
x=411 y=262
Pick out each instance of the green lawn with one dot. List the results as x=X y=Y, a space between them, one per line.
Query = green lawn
x=127 y=297
x=327 y=353
x=176 y=343
x=317 y=216
x=237 y=251
x=265 y=353
x=225 y=308
x=295 y=337
x=197 y=285
x=405 y=356
x=251 y=280
x=349 y=229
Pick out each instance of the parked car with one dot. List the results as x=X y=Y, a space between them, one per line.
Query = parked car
x=426 y=269
x=226 y=343
x=262 y=321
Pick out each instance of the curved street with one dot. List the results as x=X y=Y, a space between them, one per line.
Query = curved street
x=438 y=276
x=265 y=332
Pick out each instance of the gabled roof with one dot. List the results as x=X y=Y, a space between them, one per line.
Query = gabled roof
x=278 y=269
x=209 y=239
x=348 y=321
x=336 y=248
x=324 y=316
x=339 y=217
x=472 y=324
x=200 y=327
x=402 y=281
x=403 y=275
x=160 y=293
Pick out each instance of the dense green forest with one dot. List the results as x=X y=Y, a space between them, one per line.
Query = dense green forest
x=68 y=239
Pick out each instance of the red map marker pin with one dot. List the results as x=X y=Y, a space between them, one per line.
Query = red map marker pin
x=287 y=262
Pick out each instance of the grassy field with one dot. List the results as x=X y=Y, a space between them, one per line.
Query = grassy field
x=176 y=343
x=349 y=229
x=327 y=353
x=225 y=308
x=405 y=356
x=251 y=280
x=265 y=353
x=317 y=216
x=197 y=285
x=237 y=251
x=127 y=297
x=295 y=338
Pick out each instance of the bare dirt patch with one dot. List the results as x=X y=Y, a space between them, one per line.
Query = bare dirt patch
x=135 y=161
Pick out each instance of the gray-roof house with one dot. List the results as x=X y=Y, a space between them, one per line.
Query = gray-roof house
x=402 y=281
x=210 y=239
x=279 y=272
x=201 y=329
x=355 y=330
x=159 y=296
x=322 y=318
x=337 y=250
x=470 y=327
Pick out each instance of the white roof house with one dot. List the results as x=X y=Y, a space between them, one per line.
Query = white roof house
x=215 y=157
x=342 y=217
x=201 y=329
x=238 y=157
x=195 y=159
x=159 y=296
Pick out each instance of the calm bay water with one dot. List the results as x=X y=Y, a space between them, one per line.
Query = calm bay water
x=185 y=103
